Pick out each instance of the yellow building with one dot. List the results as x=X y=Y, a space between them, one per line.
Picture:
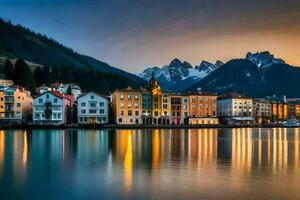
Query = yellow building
x=127 y=106
x=279 y=111
x=161 y=104
x=2 y=104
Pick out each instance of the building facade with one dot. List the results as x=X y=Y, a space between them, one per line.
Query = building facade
x=279 y=111
x=127 y=106
x=15 y=105
x=262 y=111
x=51 y=108
x=235 y=108
x=202 y=108
x=92 y=109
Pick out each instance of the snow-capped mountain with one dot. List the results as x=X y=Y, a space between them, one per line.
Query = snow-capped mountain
x=263 y=59
x=179 y=75
x=257 y=75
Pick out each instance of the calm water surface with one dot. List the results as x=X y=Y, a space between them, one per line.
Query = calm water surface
x=150 y=164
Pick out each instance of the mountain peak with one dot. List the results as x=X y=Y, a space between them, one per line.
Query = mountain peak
x=263 y=59
x=175 y=62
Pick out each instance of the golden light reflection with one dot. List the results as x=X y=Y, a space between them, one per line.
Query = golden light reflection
x=242 y=149
x=2 y=148
x=155 y=149
x=25 y=149
x=128 y=163
x=203 y=146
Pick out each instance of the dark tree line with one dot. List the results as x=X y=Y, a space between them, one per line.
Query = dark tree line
x=87 y=79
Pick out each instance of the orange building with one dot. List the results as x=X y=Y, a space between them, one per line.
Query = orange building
x=17 y=104
x=2 y=104
x=203 y=108
x=127 y=106
x=279 y=111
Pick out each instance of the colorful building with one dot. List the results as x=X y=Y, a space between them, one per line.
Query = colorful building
x=51 y=108
x=262 y=110
x=235 y=108
x=92 y=109
x=127 y=106
x=279 y=111
x=176 y=109
x=15 y=105
x=202 y=108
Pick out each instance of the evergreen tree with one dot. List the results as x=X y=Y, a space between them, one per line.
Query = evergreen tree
x=8 y=69
x=38 y=76
x=47 y=75
x=23 y=75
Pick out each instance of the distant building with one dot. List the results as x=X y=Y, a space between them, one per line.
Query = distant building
x=6 y=83
x=235 y=108
x=67 y=88
x=42 y=89
x=92 y=109
x=262 y=110
x=51 y=108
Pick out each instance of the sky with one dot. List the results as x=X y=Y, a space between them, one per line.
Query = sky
x=135 y=34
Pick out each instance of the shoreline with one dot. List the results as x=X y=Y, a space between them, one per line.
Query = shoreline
x=116 y=126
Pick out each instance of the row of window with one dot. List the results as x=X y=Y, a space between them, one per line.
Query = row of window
x=129 y=97
x=54 y=116
x=92 y=111
x=55 y=100
x=98 y=119
x=92 y=105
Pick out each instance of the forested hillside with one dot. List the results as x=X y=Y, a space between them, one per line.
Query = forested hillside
x=60 y=63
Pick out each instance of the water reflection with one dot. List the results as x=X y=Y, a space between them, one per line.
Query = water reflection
x=133 y=162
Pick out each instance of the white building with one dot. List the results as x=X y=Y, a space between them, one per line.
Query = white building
x=235 y=106
x=50 y=108
x=92 y=109
x=262 y=110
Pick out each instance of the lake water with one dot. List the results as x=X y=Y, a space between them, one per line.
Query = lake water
x=150 y=164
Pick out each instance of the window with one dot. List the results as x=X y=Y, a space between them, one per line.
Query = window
x=18 y=105
x=121 y=96
x=58 y=116
x=136 y=97
x=55 y=100
x=101 y=111
x=101 y=104
x=83 y=104
x=47 y=96
x=122 y=112
x=92 y=111
x=40 y=100
x=129 y=113
x=120 y=120
x=136 y=104
x=129 y=97
x=93 y=105
x=92 y=97
x=137 y=113
x=83 y=111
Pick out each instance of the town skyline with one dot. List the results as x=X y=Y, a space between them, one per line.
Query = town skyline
x=152 y=34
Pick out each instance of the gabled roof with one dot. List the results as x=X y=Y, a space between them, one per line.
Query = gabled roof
x=96 y=93
x=55 y=93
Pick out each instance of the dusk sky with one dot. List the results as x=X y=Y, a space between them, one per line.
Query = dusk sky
x=135 y=34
